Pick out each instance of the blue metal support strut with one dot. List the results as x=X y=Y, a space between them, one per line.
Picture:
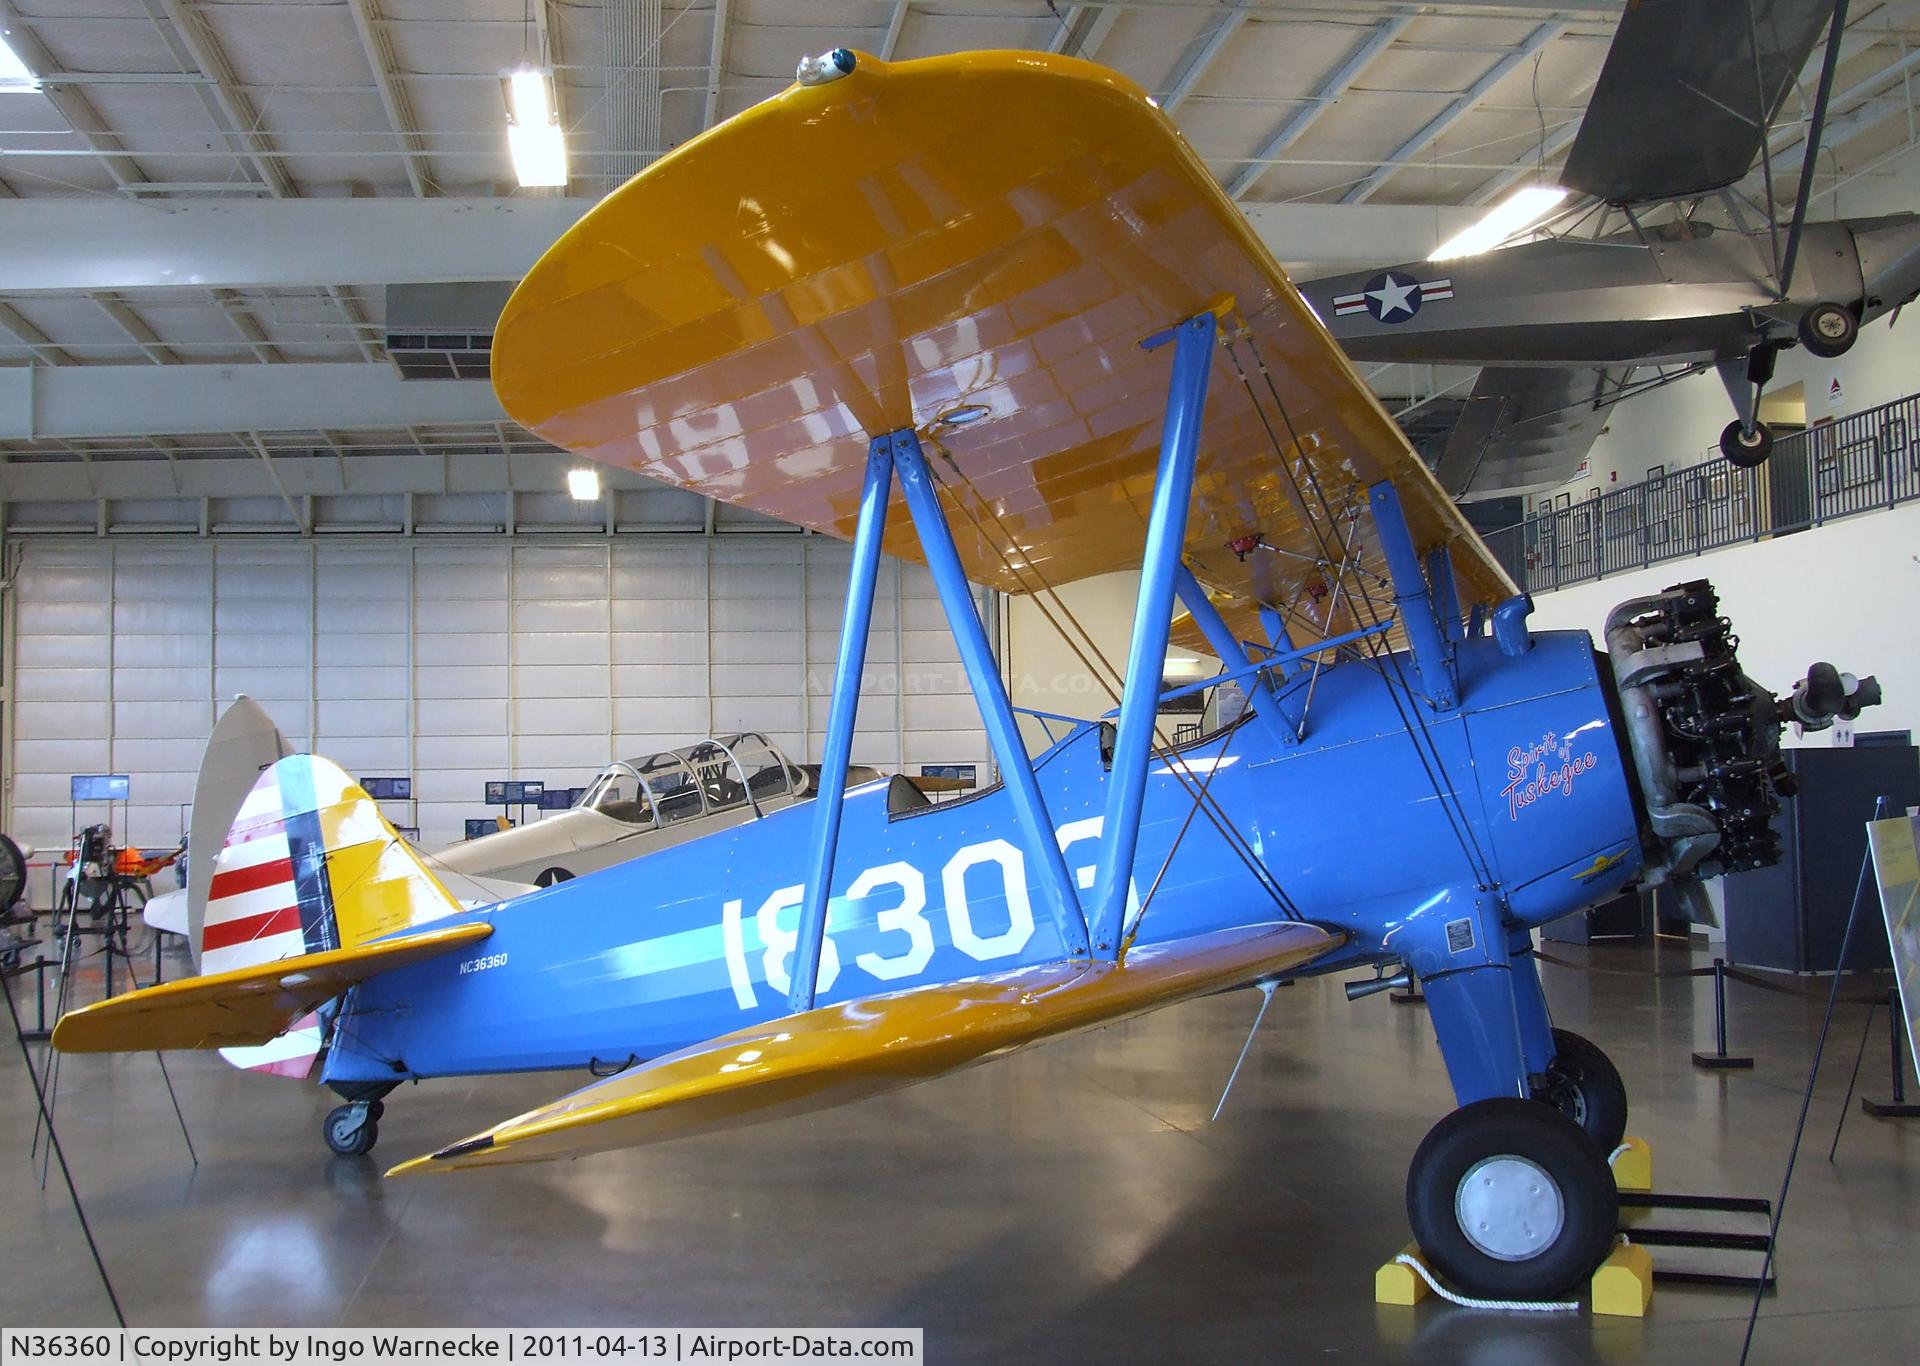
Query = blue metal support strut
x=996 y=712
x=1152 y=619
x=1431 y=654
x=837 y=749
x=1278 y=636
x=1446 y=593
x=1274 y=714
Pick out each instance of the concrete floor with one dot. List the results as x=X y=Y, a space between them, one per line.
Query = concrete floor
x=1072 y=1203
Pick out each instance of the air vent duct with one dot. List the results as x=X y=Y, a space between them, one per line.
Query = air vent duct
x=444 y=331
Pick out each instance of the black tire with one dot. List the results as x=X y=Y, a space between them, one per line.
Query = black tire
x=1829 y=330
x=13 y=876
x=1536 y=1175
x=1748 y=450
x=351 y=1130
x=549 y=876
x=1585 y=1086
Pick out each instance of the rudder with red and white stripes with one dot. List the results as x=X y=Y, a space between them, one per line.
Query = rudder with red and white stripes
x=303 y=828
x=254 y=903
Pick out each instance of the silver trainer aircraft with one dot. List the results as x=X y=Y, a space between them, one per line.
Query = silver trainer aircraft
x=1682 y=109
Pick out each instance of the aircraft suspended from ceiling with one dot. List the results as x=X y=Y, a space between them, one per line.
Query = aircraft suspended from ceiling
x=1565 y=326
x=1020 y=334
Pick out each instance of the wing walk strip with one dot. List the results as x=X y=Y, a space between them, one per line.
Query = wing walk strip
x=835 y=1054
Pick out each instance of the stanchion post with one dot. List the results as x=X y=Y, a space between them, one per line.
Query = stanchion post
x=1719 y=1058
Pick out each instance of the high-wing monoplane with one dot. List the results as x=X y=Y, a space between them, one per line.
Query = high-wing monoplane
x=1008 y=325
x=1566 y=326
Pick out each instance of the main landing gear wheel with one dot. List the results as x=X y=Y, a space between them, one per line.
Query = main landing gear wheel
x=351 y=1130
x=1583 y=1084
x=549 y=876
x=1510 y=1200
x=1829 y=329
x=1747 y=449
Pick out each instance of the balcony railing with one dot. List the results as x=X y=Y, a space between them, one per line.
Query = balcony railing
x=1864 y=461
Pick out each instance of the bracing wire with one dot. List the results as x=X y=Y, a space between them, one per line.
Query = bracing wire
x=1177 y=766
x=1425 y=747
x=1036 y=586
x=1133 y=931
x=1165 y=750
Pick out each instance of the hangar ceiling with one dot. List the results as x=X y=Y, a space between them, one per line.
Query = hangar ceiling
x=203 y=205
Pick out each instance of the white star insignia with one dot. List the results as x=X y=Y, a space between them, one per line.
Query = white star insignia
x=1393 y=296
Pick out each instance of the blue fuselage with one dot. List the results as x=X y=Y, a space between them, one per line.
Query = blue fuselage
x=1433 y=838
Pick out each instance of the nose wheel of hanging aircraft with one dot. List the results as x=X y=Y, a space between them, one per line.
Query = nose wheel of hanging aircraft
x=1585 y=1086
x=1829 y=330
x=1747 y=449
x=352 y=1129
x=1510 y=1199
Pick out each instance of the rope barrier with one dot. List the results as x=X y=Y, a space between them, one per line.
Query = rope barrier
x=1546 y=957
x=1737 y=973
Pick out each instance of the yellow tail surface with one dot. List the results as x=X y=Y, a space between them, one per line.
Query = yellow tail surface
x=310 y=866
x=313 y=892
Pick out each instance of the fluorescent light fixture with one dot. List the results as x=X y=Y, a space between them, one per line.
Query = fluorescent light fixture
x=15 y=78
x=535 y=139
x=584 y=484
x=1517 y=212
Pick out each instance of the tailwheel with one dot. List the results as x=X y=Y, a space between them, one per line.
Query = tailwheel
x=351 y=1130
x=1509 y=1199
x=1747 y=449
x=1583 y=1084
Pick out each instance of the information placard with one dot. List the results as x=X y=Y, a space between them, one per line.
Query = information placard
x=100 y=787
x=1896 y=867
x=952 y=776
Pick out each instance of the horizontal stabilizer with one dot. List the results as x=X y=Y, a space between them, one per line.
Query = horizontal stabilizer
x=250 y=1005
x=840 y=1053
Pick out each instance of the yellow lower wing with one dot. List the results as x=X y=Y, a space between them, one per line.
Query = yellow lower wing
x=840 y=1053
x=247 y=1006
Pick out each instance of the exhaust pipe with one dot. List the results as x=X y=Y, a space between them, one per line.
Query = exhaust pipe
x=1370 y=986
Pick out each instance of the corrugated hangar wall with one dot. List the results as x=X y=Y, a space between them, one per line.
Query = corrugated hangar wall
x=452 y=662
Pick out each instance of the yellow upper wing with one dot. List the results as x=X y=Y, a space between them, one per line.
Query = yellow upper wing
x=998 y=229
x=839 y=1053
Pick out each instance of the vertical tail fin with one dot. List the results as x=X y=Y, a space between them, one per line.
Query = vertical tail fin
x=244 y=744
x=311 y=865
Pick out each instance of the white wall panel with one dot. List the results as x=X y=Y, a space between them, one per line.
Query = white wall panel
x=56 y=685
x=452 y=662
x=437 y=682
x=55 y=651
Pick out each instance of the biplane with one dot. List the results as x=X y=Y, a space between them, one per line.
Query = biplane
x=989 y=312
